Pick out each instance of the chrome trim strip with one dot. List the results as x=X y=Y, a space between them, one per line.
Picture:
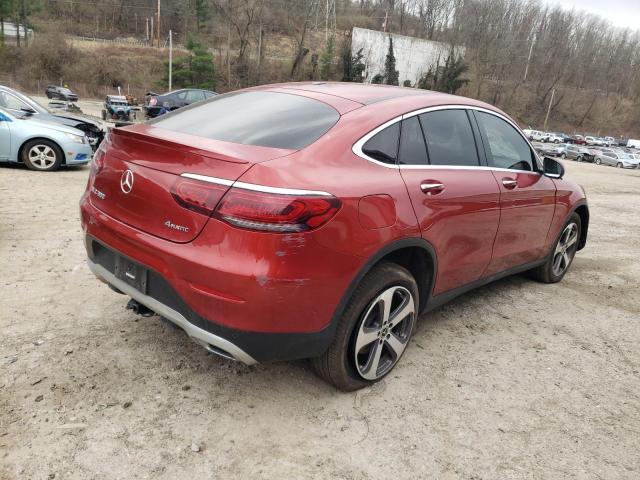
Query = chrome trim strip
x=200 y=336
x=256 y=188
x=357 y=147
x=281 y=191
x=206 y=178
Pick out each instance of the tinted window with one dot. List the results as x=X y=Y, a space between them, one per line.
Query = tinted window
x=505 y=146
x=412 y=148
x=449 y=138
x=383 y=146
x=267 y=119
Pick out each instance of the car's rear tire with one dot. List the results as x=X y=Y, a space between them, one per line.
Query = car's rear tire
x=563 y=253
x=43 y=155
x=598 y=161
x=619 y=164
x=370 y=339
x=563 y=156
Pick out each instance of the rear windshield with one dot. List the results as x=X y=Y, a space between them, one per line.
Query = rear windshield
x=266 y=119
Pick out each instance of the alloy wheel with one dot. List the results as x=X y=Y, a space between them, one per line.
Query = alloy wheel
x=42 y=157
x=565 y=249
x=384 y=332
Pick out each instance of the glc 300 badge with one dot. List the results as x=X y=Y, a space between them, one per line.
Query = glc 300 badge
x=98 y=193
x=173 y=226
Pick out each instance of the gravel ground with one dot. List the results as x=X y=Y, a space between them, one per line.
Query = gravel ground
x=514 y=380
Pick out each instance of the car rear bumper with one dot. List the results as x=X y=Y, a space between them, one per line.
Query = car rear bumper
x=248 y=347
x=208 y=340
x=263 y=293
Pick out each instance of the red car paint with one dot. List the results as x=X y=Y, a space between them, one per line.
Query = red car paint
x=294 y=283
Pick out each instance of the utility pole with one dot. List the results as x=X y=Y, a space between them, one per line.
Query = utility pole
x=526 y=70
x=546 y=118
x=170 y=59
x=326 y=23
x=158 y=34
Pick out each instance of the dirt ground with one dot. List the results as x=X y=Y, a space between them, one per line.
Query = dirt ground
x=514 y=380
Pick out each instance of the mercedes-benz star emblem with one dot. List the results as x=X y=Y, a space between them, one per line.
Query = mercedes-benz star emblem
x=126 y=182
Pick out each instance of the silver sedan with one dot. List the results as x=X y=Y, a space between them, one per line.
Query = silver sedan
x=41 y=145
x=618 y=159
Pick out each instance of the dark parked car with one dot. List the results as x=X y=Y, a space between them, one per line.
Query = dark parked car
x=18 y=103
x=61 y=93
x=320 y=220
x=580 y=153
x=155 y=104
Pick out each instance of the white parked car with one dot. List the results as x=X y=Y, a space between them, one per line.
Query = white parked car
x=594 y=141
x=536 y=135
x=555 y=138
x=610 y=141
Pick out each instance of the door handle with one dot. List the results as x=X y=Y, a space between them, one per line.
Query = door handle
x=434 y=187
x=509 y=183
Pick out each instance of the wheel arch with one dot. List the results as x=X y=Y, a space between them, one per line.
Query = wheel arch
x=413 y=253
x=583 y=212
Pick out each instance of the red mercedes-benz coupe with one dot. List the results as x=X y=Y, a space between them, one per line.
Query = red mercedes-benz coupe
x=318 y=220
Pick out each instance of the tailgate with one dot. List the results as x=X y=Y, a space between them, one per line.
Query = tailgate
x=140 y=173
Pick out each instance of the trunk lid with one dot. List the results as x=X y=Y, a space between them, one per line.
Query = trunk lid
x=142 y=165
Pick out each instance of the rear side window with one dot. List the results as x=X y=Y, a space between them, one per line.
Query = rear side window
x=506 y=148
x=449 y=137
x=266 y=119
x=412 y=148
x=383 y=146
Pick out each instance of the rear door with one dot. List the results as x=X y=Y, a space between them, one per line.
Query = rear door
x=456 y=201
x=527 y=198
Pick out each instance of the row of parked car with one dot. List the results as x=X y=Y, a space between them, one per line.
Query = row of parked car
x=45 y=139
x=554 y=137
x=621 y=157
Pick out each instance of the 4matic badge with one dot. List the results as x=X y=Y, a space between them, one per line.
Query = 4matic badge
x=173 y=226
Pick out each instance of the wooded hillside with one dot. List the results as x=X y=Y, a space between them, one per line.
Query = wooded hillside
x=517 y=51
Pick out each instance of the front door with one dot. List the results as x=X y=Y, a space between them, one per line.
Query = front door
x=456 y=202
x=527 y=198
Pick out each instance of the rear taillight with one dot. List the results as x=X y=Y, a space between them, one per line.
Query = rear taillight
x=153 y=101
x=98 y=162
x=197 y=196
x=270 y=212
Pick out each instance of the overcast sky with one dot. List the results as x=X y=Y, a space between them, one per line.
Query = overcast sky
x=622 y=13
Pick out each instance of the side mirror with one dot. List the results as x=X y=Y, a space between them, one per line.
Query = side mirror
x=552 y=168
x=28 y=110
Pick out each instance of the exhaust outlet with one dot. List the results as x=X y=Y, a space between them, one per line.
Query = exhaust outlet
x=139 y=309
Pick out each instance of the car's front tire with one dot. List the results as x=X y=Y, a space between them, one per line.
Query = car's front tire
x=373 y=331
x=563 y=253
x=41 y=154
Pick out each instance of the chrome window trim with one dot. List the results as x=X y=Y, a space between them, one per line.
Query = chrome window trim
x=255 y=187
x=357 y=147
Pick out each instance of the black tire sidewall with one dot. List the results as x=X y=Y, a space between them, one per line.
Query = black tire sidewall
x=574 y=218
x=343 y=371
